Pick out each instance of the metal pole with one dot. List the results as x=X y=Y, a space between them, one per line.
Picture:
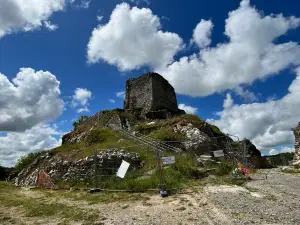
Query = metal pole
x=245 y=156
x=95 y=169
x=162 y=192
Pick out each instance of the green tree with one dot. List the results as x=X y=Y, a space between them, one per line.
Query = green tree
x=79 y=121
x=26 y=160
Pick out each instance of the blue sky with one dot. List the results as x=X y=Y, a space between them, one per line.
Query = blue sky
x=239 y=54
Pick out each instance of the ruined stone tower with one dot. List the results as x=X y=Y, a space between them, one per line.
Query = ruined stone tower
x=151 y=96
x=297 y=145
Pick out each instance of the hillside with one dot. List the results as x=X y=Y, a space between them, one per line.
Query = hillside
x=149 y=127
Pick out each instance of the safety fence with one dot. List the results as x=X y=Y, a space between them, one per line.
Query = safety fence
x=149 y=164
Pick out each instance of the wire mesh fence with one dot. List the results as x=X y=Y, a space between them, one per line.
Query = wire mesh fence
x=158 y=165
x=154 y=165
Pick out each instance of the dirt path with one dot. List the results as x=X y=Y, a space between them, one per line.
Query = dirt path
x=262 y=201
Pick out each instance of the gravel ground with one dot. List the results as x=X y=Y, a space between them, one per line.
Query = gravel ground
x=261 y=201
x=275 y=200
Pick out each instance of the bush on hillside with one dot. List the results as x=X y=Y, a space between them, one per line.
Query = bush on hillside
x=79 y=121
x=99 y=135
x=26 y=160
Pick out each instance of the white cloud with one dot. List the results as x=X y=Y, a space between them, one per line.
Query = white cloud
x=139 y=2
x=99 y=18
x=112 y=100
x=202 y=33
x=228 y=102
x=31 y=98
x=50 y=26
x=281 y=150
x=249 y=55
x=188 y=109
x=131 y=39
x=14 y=145
x=120 y=94
x=20 y=15
x=267 y=124
x=247 y=95
x=81 y=110
x=85 y=4
x=81 y=97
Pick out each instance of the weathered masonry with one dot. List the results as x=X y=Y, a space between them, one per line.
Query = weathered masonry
x=297 y=145
x=151 y=96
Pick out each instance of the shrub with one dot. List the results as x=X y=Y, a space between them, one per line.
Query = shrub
x=215 y=129
x=224 y=168
x=25 y=161
x=79 y=121
x=167 y=134
x=99 y=135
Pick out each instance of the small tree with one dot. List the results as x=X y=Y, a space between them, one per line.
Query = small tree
x=79 y=121
x=26 y=160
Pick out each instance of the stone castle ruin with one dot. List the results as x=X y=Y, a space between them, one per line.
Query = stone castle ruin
x=151 y=96
x=297 y=145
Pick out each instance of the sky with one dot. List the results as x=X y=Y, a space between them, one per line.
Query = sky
x=235 y=64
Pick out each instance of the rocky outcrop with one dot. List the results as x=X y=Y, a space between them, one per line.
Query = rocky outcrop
x=151 y=96
x=296 y=131
x=64 y=169
x=194 y=137
x=115 y=119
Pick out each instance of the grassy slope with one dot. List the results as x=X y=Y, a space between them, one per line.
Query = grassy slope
x=180 y=174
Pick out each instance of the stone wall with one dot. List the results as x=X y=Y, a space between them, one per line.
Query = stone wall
x=139 y=94
x=297 y=145
x=64 y=169
x=150 y=93
x=164 y=96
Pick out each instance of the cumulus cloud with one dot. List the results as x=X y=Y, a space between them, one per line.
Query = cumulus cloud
x=247 y=95
x=16 y=15
x=14 y=145
x=267 y=124
x=112 y=100
x=228 y=102
x=187 y=108
x=249 y=55
x=32 y=97
x=281 y=150
x=131 y=39
x=202 y=33
x=50 y=26
x=81 y=97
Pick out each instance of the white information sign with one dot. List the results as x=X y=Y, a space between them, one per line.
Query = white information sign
x=218 y=153
x=168 y=160
x=123 y=169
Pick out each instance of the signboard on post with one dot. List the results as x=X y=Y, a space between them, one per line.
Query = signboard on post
x=218 y=153
x=123 y=169
x=168 y=160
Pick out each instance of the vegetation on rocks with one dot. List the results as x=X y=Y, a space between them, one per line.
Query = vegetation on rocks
x=26 y=160
x=79 y=121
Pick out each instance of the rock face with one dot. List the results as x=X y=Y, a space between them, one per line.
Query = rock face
x=80 y=170
x=151 y=96
x=297 y=145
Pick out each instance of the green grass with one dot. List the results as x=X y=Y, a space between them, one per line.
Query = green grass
x=10 y=196
x=167 y=134
x=183 y=120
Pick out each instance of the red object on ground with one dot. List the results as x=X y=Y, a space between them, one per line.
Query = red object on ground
x=44 y=180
